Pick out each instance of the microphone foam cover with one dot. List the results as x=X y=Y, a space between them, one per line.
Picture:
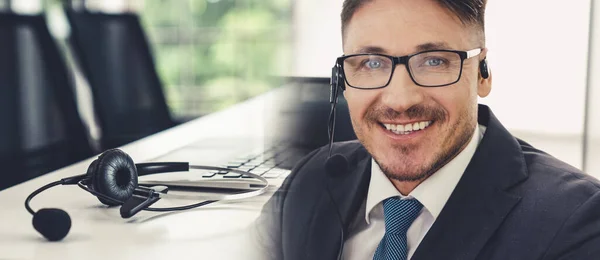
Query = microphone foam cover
x=53 y=224
x=336 y=165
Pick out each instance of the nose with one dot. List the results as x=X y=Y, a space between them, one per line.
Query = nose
x=402 y=93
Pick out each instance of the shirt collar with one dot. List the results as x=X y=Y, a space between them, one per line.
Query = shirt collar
x=433 y=193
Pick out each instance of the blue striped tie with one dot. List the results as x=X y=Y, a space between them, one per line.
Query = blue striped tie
x=399 y=215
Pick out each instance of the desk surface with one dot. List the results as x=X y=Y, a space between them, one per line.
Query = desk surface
x=218 y=231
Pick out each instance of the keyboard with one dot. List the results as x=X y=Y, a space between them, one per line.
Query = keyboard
x=271 y=163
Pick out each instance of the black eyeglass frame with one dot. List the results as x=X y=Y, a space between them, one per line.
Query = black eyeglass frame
x=397 y=60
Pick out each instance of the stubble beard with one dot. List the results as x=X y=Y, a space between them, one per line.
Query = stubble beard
x=450 y=148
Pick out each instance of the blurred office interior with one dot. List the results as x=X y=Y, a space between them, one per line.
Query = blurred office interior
x=160 y=63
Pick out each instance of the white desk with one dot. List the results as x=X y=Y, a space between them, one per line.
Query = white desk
x=99 y=232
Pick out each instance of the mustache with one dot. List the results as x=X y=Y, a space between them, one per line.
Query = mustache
x=414 y=112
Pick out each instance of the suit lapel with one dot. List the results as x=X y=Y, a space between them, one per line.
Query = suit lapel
x=479 y=202
x=348 y=192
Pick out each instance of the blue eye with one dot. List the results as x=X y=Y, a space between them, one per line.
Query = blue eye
x=433 y=62
x=373 y=64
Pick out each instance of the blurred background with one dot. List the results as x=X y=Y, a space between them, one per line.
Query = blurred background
x=81 y=76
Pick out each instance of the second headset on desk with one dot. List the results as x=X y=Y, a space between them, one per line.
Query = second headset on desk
x=113 y=179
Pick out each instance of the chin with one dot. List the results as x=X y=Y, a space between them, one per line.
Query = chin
x=406 y=174
x=404 y=167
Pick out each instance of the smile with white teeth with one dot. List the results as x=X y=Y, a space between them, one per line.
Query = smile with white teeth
x=408 y=128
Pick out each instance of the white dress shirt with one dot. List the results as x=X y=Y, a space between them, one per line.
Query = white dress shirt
x=433 y=193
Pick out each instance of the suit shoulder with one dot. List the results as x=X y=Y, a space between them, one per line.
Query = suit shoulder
x=563 y=201
x=557 y=176
x=350 y=148
x=311 y=169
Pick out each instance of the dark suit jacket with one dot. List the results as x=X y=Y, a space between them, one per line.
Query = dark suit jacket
x=512 y=202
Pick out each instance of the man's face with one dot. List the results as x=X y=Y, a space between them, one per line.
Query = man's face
x=404 y=27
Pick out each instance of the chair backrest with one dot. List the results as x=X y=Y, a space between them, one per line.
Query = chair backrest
x=302 y=114
x=41 y=129
x=115 y=56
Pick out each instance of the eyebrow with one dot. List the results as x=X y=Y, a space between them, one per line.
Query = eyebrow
x=371 y=49
x=421 y=47
x=432 y=46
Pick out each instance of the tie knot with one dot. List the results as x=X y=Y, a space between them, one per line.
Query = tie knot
x=399 y=214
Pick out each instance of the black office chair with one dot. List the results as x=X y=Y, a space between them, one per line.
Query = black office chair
x=303 y=114
x=116 y=59
x=40 y=128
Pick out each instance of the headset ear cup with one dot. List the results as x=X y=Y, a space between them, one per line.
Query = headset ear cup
x=483 y=69
x=115 y=176
x=89 y=176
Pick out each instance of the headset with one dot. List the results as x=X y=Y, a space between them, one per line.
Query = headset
x=113 y=179
x=337 y=164
x=483 y=69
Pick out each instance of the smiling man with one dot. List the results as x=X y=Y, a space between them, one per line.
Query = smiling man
x=433 y=175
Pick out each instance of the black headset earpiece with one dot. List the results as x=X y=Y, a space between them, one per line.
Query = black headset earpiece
x=483 y=69
x=335 y=83
x=113 y=174
x=337 y=74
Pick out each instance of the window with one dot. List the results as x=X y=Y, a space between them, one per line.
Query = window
x=214 y=53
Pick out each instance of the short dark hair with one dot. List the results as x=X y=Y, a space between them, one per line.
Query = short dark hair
x=469 y=12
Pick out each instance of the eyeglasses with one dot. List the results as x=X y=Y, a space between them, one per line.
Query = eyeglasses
x=434 y=68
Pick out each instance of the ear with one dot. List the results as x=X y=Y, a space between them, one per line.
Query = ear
x=484 y=85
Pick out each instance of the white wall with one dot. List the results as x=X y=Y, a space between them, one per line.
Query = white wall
x=538 y=56
x=317 y=36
